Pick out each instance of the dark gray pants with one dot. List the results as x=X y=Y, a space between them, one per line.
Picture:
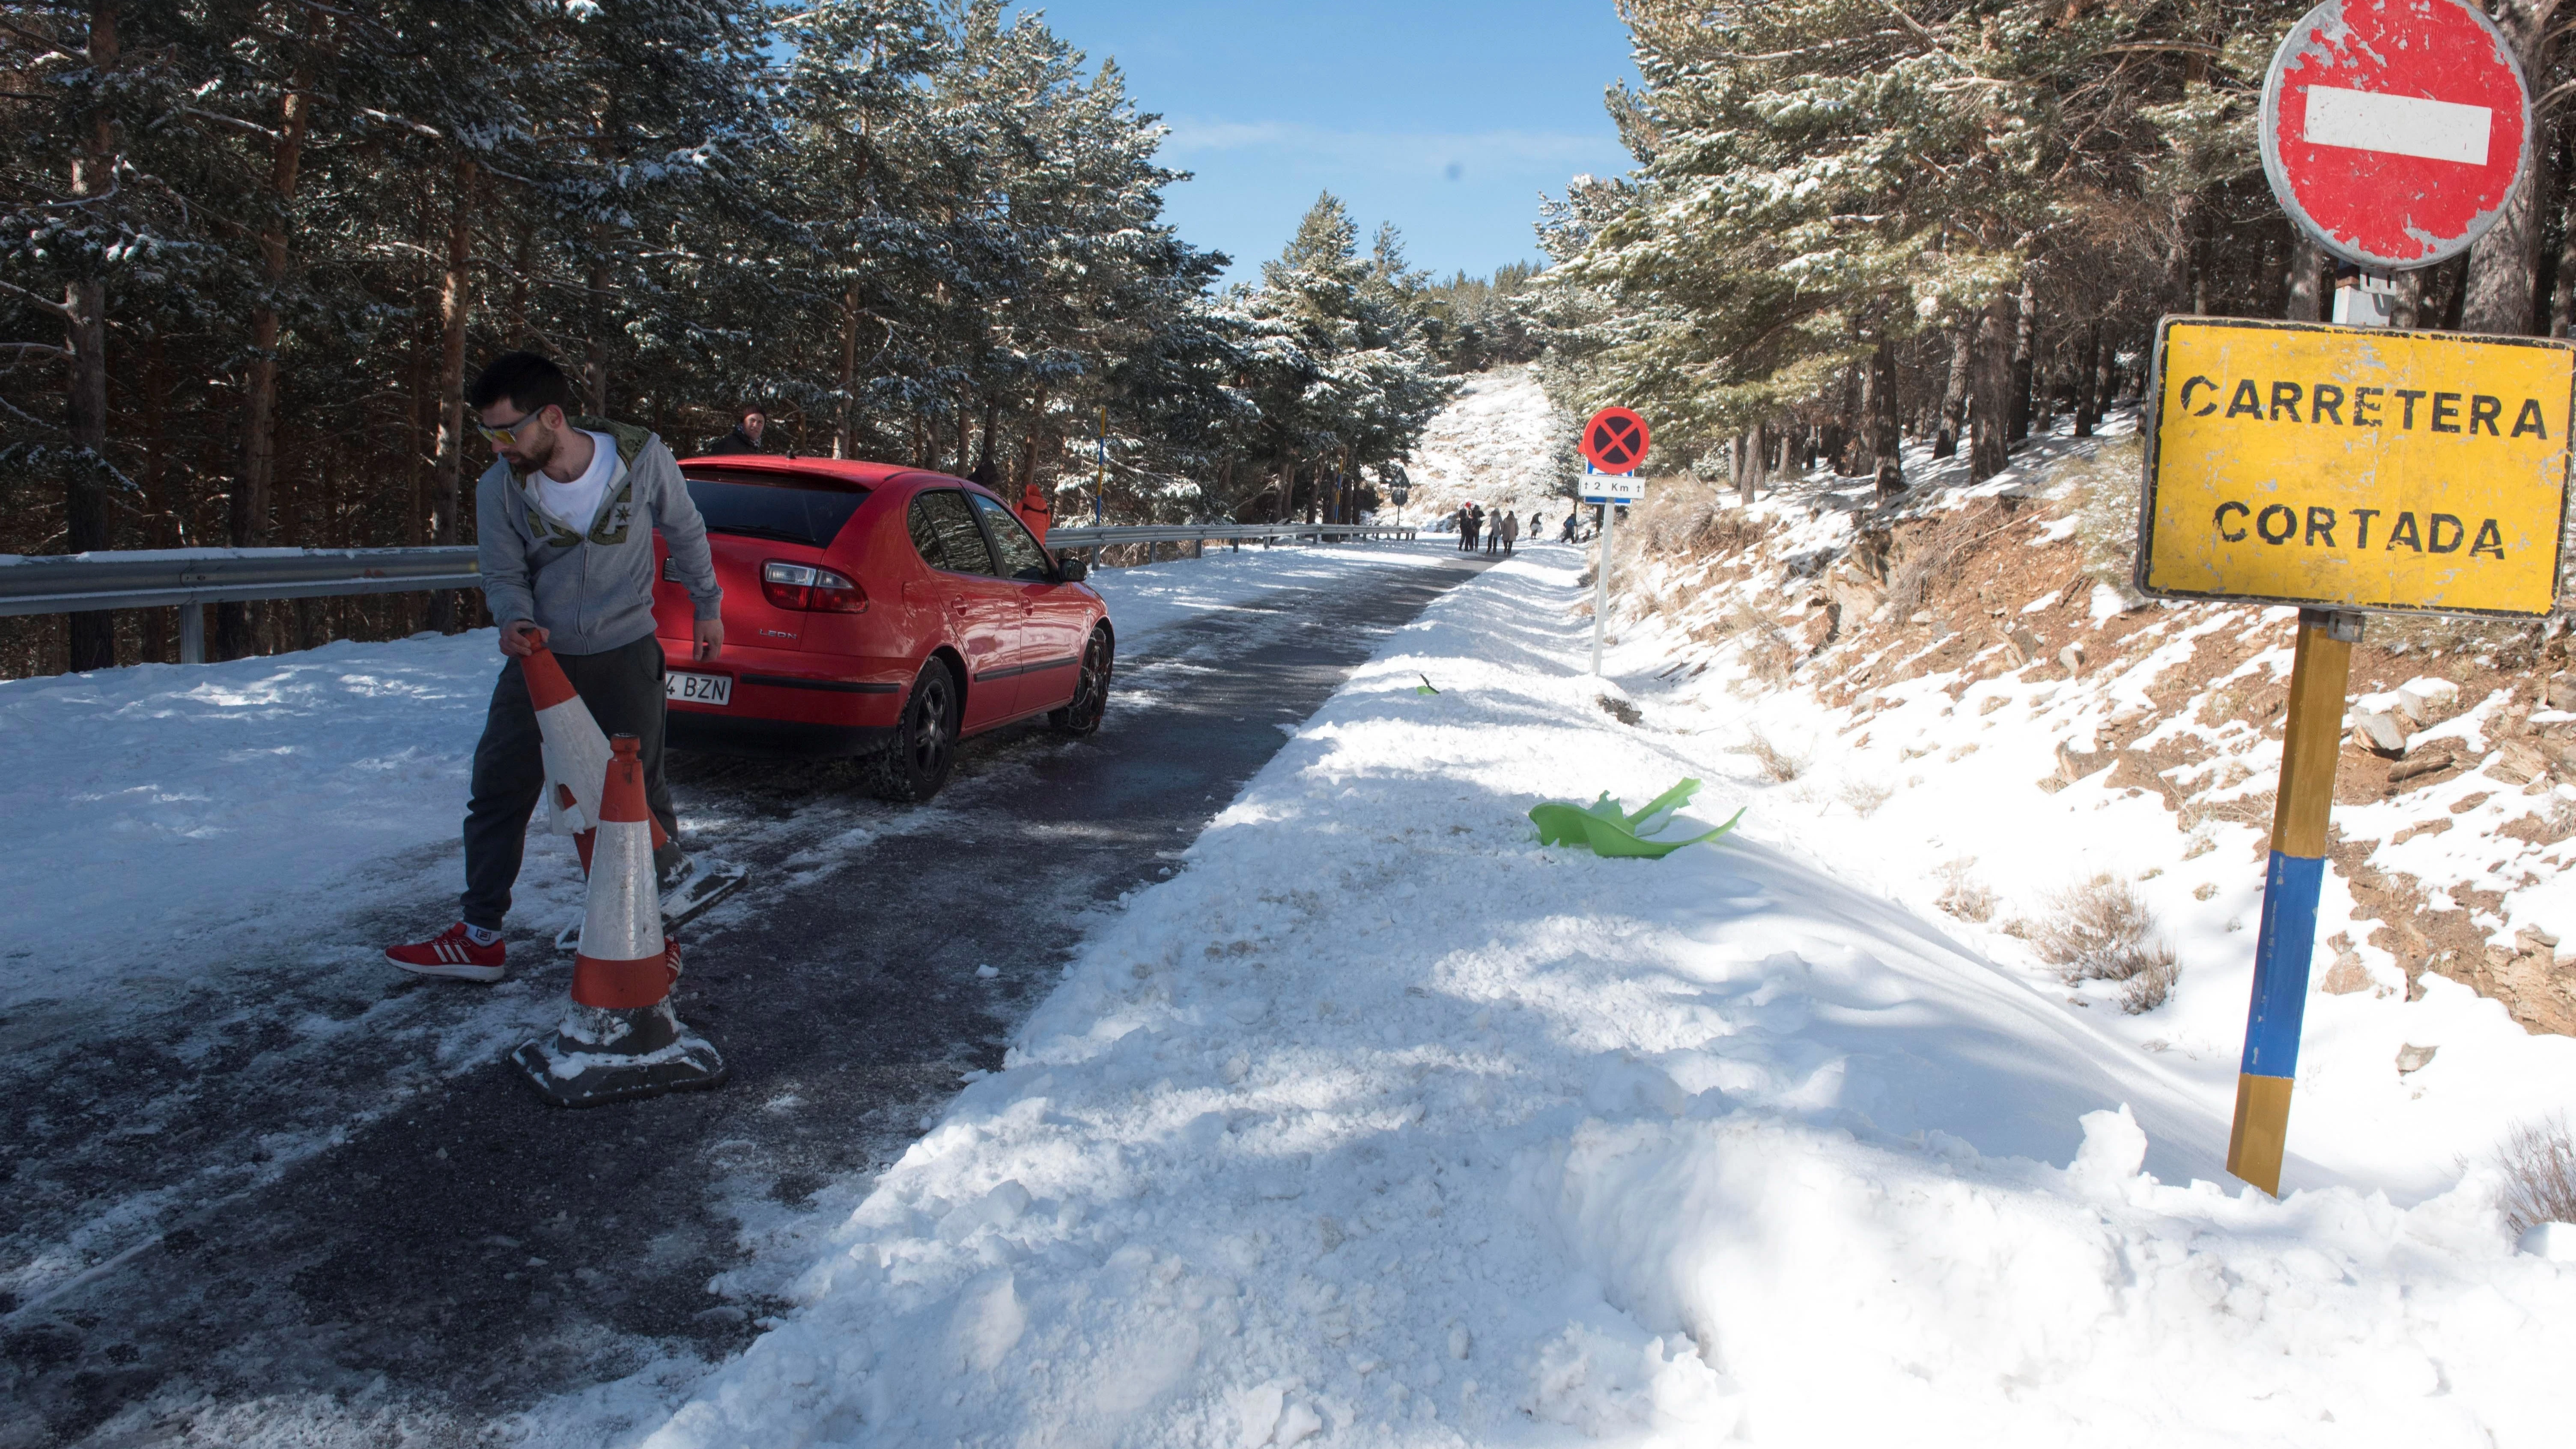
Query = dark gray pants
x=623 y=690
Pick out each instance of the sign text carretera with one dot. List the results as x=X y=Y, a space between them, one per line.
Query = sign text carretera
x=2356 y=468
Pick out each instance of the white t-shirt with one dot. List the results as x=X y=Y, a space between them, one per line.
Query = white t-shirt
x=577 y=502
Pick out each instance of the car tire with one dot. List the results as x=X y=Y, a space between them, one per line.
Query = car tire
x=912 y=769
x=1081 y=715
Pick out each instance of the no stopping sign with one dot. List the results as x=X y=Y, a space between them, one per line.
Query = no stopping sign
x=1614 y=440
x=2394 y=131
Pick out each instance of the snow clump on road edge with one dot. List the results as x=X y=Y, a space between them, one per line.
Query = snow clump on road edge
x=1381 y=1124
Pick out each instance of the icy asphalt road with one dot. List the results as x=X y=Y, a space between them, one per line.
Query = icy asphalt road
x=349 y=1223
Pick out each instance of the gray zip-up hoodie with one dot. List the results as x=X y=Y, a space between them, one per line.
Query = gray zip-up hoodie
x=589 y=585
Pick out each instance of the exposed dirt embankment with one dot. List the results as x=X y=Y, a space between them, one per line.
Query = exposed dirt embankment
x=2456 y=790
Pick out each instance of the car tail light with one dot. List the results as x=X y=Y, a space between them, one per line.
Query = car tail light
x=812 y=590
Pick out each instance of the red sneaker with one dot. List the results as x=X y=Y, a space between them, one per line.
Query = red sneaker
x=451 y=953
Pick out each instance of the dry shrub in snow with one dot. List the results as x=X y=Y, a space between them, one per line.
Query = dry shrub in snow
x=1770 y=655
x=1673 y=516
x=2104 y=502
x=2101 y=931
x=1912 y=577
x=2539 y=1162
x=1865 y=796
x=1922 y=561
x=2511 y=644
x=1963 y=895
x=1728 y=531
x=1776 y=762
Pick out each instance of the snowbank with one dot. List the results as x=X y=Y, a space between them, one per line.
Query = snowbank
x=1382 y=1123
x=1931 y=775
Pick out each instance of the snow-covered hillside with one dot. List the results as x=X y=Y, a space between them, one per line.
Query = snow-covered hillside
x=1981 y=728
x=1499 y=444
x=1383 y=1124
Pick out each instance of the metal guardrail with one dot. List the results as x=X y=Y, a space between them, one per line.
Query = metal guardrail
x=84 y=583
x=1221 y=533
x=158 y=579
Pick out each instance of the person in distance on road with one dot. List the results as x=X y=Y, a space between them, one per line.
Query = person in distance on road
x=745 y=437
x=1511 y=532
x=566 y=516
x=1573 y=521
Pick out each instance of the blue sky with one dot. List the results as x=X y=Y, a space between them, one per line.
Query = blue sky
x=1445 y=118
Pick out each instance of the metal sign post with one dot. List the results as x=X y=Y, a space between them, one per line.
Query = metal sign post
x=2350 y=468
x=1612 y=491
x=1614 y=443
x=1601 y=581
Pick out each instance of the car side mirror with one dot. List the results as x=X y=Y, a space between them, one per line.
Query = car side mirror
x=1071 y=569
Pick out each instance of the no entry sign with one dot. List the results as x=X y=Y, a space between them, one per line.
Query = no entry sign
x=1615 y=440
x=2394 y=131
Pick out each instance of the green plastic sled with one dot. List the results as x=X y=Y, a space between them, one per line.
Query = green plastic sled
x=1607 y=831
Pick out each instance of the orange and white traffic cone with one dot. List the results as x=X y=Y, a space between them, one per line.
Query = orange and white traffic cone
x=621 y=1039
x=575 y=751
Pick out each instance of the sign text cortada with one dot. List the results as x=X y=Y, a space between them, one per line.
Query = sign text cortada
x=2356 y=468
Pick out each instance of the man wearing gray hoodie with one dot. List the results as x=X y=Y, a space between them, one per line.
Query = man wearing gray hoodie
x=565 y=519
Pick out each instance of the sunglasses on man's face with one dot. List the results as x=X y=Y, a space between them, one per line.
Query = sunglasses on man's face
x=509 y=432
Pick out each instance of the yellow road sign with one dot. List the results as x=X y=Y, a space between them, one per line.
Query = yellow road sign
x=2356 y=467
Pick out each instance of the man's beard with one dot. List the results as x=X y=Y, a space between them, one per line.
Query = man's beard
x=532 y=458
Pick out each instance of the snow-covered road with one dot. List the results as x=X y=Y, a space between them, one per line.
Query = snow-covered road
x=1383 y=1124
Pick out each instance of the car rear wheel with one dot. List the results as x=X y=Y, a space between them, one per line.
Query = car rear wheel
x=1081 y=715
x=912 y=769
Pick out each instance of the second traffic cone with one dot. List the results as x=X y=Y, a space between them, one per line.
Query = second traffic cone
x=620 y=1038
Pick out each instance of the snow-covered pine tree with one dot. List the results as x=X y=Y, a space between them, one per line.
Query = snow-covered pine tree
x=1335 y=361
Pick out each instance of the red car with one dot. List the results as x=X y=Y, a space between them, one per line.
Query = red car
x=876 y=611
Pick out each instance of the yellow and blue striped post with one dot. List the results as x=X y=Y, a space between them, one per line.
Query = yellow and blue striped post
x=2311 y=739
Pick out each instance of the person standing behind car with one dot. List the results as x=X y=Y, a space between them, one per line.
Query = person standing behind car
x=565 y=518
x=1037 y=510
x=746 y=435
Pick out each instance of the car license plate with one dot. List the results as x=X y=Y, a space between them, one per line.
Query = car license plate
x=715 y=689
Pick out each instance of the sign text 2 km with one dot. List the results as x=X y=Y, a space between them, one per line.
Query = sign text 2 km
x=2356 y=468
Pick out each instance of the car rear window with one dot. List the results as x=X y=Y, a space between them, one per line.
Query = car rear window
x=796 y=509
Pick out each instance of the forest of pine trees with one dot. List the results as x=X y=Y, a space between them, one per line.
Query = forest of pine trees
x=254 y=249
x=1854 y=222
